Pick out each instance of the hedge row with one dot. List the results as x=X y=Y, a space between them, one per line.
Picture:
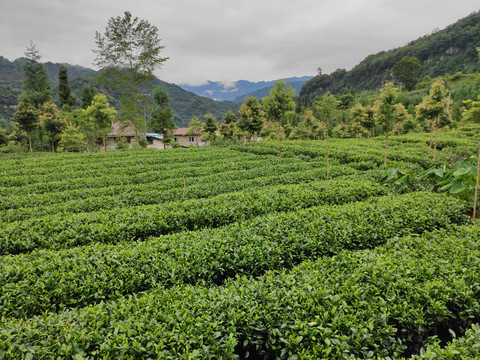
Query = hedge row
x=156 y=173
x=49 y=280
x=209 y=174
x=347 y=151
x=382 y=303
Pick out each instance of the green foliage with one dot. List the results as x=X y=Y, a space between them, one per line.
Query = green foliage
x=36 y=88
x=252 y=116
x=406 y=71
x=130 y=52
x=101 y=115
x=64 y=92
x=161 y=119
x=446 y=51
x=72 y=139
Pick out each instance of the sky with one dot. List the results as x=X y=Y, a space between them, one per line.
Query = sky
x=230 y=40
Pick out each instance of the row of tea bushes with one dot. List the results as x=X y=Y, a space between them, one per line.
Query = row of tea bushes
x=383 y=303
x=157 y=173
x=52 y=280
x=158 y=190
x=138 y=222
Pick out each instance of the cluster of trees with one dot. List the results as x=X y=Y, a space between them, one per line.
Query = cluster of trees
x=129 y=51
x=395 y=109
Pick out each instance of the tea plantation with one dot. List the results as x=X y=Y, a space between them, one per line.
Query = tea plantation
x=233 y=253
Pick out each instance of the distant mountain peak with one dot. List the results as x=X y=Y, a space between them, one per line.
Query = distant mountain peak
x=237 y=90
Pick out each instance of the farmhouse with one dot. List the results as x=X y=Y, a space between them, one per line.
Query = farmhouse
x=180 y=136
x=127 y=131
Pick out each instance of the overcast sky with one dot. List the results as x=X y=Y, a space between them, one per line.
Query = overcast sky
x=229 y=40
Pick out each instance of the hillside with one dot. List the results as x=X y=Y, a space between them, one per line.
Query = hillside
x=239 y=90
x=450 y=50
x=185 y=104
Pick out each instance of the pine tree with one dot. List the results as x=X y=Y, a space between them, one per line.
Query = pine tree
x=64 y=93
x=36 y=88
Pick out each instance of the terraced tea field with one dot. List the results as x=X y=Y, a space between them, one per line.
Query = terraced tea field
x=233 y=253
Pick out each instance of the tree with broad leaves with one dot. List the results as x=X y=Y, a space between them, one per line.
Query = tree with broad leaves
x=161 y=118
x=101 y=114
x=129 y=51
x=252 y=117
x=435 y=109
x=406 y=71
x=26 y=116
x=278 y=103
x=386 y=111
x=52 y=123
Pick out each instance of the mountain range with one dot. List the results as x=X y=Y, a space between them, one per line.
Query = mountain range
x=239 y=90
x=185 y=104
x=447 y=51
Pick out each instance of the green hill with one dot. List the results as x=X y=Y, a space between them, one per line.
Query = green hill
x=184 y=103
x=450 y=50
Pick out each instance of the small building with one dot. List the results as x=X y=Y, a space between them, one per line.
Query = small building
x=127 y=132
x=180 y=136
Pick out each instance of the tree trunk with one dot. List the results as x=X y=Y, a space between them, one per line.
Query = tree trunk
x=386 y=149
x=104 y=145
x=435 y=141
x=328 y=154
x=278 y=140
x=431 y=137
x=476 y=188
x=30 y=142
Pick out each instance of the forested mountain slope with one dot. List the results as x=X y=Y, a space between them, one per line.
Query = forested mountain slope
x=184 y=103
x=450 y=50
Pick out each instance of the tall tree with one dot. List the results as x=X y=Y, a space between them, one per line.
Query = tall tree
x=386 y=112
x=26 y=116
x=230 y=117
x=278 y=103
x=406 y=71
x=129 y=50
x=326 y=105
x=210 y=127
x=36 y=87
x=102 y=115
x=434 y=107
x=161 y=119
x=52 y=123
x=252 y=117
x=88 y=92
x=65 y=96
x=472 y=114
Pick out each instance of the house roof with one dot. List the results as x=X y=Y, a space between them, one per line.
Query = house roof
x=122 y=129
x=154 y=135
x=180 y=132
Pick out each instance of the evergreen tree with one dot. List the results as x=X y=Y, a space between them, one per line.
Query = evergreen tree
x=65 y=96
x=36 y=88
x=88 y=93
